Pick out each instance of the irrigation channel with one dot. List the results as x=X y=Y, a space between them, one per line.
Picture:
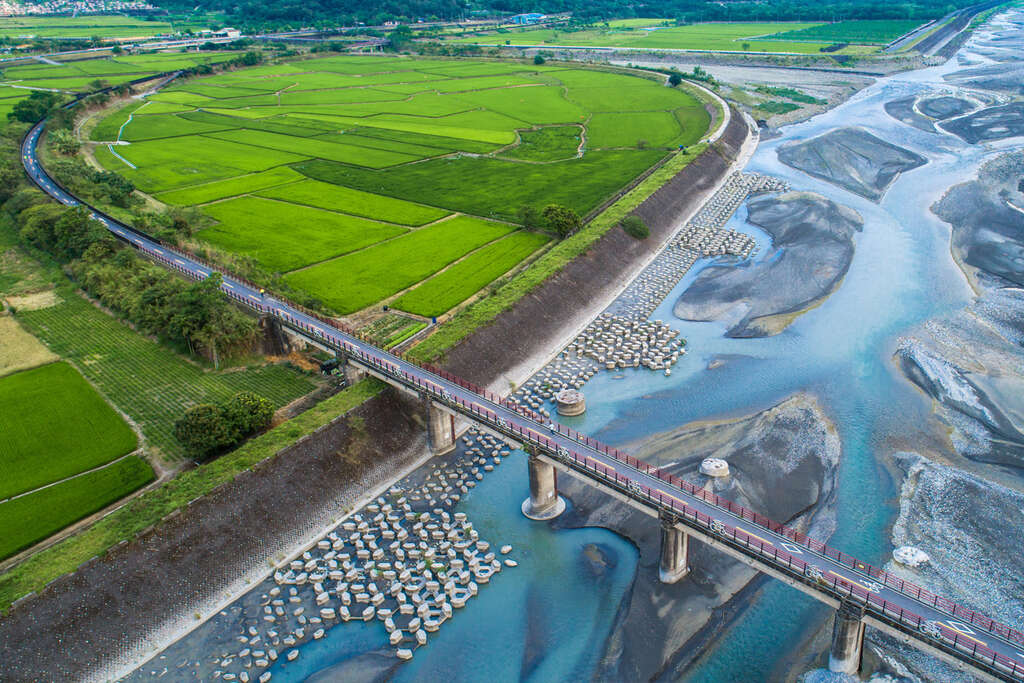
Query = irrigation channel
x=550 y=614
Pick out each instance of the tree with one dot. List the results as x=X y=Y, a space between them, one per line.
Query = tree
x=400 y=38
x=634 y=226
x=204 y=318
x=746 y=46
x=204 y=430
x=532 y=218
x=563 y=220
x=10 y=177
x=66 y=142
x=538 y=59
x=248 y=413
x=675 y=78
x=35 y=107
x=74 y=232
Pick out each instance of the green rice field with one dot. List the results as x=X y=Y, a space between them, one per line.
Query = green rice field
x=54 y=425
x=865 y=32
x=652 y=34
x=85 y=26
x=29 y=519
x=80 y=75
x=342 y=174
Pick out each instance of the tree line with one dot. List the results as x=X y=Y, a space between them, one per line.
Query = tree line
x=257 y=14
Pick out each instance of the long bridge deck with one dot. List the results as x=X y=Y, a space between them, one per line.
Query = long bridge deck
x=965 y=638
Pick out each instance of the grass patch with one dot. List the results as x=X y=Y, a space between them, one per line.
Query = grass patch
x=337 y=198
x=31 y=518
x=790 y=93
x=450 y=288
x=53 y=424
x=777 y=107
x=355 y=281
x=150 y=507
x=552 y=143
x=282 y=236
x=19 y=350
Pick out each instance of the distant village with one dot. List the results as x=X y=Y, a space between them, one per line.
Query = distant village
x=11 y=9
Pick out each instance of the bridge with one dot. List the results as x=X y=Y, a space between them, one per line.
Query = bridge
x=862 y=595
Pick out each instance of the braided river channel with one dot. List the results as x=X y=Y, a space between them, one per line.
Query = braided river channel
x=553 y=617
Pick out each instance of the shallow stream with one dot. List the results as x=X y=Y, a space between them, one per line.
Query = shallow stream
x=548 y=619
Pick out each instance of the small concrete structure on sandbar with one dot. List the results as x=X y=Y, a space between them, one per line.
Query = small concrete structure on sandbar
x=570 y=402
x=714 y=467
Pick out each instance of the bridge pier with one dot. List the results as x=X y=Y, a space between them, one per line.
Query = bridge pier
x=675 y=546
x=544 y=502
x=353 y=373
x=440 y=428
x=847 y=639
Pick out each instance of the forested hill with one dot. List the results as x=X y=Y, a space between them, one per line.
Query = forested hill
x=282 y=13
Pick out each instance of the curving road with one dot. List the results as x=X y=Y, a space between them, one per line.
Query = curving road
x=932 y=623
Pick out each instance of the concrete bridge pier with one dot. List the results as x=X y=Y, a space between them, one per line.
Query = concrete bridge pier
x=847 y=639
x=440 y=428
x=544 y=502
x=353 y=373
x=675 y=546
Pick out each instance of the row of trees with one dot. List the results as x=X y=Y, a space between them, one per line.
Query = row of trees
x=257 y=14
x=194 y=314
x=207 y=430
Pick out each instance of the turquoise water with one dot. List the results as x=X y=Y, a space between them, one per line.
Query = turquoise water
x=545 y=620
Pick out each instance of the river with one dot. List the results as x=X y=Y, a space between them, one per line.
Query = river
x=548 y=619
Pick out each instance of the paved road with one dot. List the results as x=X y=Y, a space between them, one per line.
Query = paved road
x=831 y=573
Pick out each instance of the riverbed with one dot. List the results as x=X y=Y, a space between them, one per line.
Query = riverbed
x=551 y=617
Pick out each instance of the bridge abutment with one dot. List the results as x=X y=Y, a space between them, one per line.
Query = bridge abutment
x=675 y=546
x=847 y=639
x=544 y=502
x=440 y=428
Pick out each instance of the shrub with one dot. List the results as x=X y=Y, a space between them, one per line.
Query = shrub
x=675 y=79
x=538 y=60
x=204 y=430
x=248 y=413
x=635 y=227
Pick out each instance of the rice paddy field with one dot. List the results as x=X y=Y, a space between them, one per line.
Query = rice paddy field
x=80 y=75
x=54 y=427
x=782 y=37
x=363 y=181
x=865 y=32
x=85 y=26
